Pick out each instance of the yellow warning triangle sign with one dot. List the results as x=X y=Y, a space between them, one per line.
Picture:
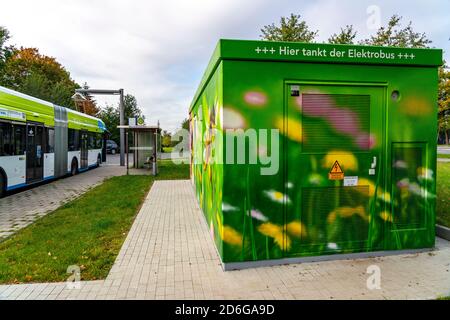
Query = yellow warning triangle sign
x=336 y=172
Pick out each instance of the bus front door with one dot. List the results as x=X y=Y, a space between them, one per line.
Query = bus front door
x=35 y=152
x=84 y=150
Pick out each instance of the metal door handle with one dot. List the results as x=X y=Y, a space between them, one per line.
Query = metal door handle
x=374 y=163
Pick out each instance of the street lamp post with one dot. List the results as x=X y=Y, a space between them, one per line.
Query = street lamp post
x=81 y=92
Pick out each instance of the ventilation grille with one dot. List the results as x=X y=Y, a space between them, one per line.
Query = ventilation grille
x=335 y=215
x=331 y=120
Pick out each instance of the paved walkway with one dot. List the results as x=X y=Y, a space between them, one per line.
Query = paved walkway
x=168 y=254
x=23 y=208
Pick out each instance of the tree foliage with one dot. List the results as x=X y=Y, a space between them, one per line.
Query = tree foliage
x=166 y=139
x=291 y=28
x=5 y=51
x=346 y=36
x=395 y=35
x=444 y=102
x=111 y=115
x=89 y=105
x=33 y=73
x=185 y=124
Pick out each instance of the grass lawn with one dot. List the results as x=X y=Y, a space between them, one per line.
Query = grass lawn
x=444 y=156
x=87 y=232
x=443 y=194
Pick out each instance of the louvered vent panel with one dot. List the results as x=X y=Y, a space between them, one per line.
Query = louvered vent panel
x=335 y=120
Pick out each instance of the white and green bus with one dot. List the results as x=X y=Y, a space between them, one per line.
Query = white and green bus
x=41 y=141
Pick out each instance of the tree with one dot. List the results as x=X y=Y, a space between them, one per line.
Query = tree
x=185 y=124
x=89 y=106
x=131 y=108
x=111 y=116
x=395 y=36
x=32 y=73
x=290 y=29
x=346 y=36
x=444 y=102
x=166 y=139
x=5 y=51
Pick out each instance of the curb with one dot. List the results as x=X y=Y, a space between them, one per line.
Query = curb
x=443 y=232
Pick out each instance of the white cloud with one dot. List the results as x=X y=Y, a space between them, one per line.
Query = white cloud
x=157 y=50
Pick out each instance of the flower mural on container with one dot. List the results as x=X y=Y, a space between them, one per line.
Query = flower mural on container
x=233 y=119
x=255 y=98
x=347 y=212
x=292 y=129
x=277 y=196
x=258 y=215
x=386 y=216
x=275 y=232
x=296 y=229
x=300 y=211
x=347 y=160
x=424 y=173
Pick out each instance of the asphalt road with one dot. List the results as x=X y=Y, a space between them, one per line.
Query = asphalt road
x=443 y=150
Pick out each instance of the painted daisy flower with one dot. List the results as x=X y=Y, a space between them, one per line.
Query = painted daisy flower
x=292 y=128
x=404 y=183
x=258 y=215
x=231 y=236
x=296 y=229
x=255 y=98
x=386 y=216
x=332 y=246
x=277 y=196
x=233 y=119
x=424 y=173
x=275 y=232
x=400 y=164
x=228 y=207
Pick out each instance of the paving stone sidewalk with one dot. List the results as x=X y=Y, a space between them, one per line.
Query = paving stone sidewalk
x=23 y=208
x=168 y=254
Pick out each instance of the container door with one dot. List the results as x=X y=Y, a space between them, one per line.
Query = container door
x=334 y=175
x=84 y=142
x=35 y=152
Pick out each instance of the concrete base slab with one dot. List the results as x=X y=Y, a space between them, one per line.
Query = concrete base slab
x=443 y=232
x=230 y=266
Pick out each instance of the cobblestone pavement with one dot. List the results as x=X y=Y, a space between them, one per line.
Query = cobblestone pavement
x=168 y=254
x=21 y=209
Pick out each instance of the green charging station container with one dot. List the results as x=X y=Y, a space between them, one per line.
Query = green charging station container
x=306 y=150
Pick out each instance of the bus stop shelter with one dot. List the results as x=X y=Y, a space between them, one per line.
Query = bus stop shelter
x=143 y=141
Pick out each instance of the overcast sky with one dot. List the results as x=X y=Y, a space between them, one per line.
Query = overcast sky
x=157 y=50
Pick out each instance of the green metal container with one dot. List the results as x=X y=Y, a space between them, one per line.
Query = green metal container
x=339 y=149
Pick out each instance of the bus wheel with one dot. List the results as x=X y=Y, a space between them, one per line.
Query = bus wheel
x=2 y=186
x=99 y=161
x=74 y=168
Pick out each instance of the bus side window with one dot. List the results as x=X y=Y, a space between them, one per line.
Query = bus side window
x=99 y=140
x=91 y=141
x=19 y=140
x=50 y=140
x=6 y=146
x=73 y=140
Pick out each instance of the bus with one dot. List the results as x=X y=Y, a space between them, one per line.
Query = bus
x=42 y=141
